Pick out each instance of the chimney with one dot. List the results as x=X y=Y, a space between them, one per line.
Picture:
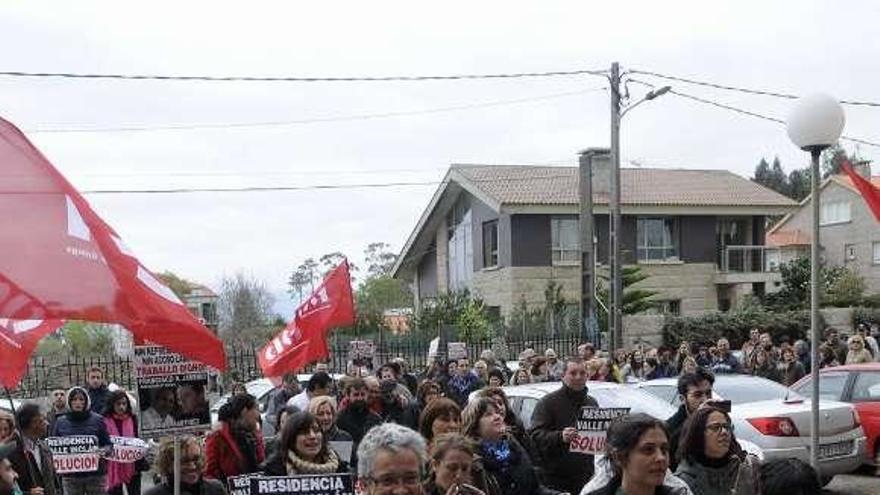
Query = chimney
x=600 y=161
x=863 y=168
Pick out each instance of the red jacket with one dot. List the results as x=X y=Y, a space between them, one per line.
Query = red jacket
x=223 y=458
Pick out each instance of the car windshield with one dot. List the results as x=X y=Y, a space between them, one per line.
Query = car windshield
x=257 y=388
x=742 y=390
x=637 y=400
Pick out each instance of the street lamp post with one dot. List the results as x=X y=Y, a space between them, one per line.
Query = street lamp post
x=815 y=123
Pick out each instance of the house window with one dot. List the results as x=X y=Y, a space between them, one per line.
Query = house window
x=875 y=250
x=565 y=240
x=656 y=239
x=669 y=307
x=834 y=212
x=490 y=243
x=460 y=255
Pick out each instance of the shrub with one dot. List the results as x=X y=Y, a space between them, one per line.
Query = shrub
x=866 y=316
x=735 y=326
x=846 y=289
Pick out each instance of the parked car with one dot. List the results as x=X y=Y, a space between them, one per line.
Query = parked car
x=777 y=419
x=859 y=385
x=259 y=388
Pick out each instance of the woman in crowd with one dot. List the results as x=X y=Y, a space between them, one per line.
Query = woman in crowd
x=520 y=377
x=540 y=370
x=762 y=365
x=688 y=365
x=303 y=449
x=7 y=426
x=323 y=408
x=236 y=445
x=441 y=416
x=712 y=462
x=636 y=460
x=502 y=457
x=427 y=392
x=452 y=466
x=634 y=370
x=81 y=421
x=704 y=357
x=191 y=461
x=496 y=378
x=857 y=352
x=121 y=422
x=515 y=427
x=792 y=370
x=827 y=356
x=481 y=369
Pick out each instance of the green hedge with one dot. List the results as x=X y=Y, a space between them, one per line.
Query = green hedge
x=866 y=316
x=735 y=326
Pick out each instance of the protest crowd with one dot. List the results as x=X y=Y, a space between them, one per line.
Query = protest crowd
x=447 y=430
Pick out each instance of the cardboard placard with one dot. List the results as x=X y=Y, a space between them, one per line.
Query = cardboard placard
x=241 y=484
x=127 y=449
x=592 y=426
x=361 y=349
x=456 y=350
x=323 y=484
x=343 y=448
x=433 y=349
x=171 y=392
x=75 y=453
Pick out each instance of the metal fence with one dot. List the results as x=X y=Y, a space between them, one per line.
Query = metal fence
x=45 y=374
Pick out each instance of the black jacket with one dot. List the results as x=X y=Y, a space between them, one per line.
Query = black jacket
x=30 y=473
x=563 y=470
x=204 y=487
x=673 y=425
x=97 y=398
x=518 y=478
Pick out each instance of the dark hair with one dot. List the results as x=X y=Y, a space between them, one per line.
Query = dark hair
x=789 y=477
x=470 y=417
x=440 y=408
x=25 y=414
x=490 y=392
x=290 y=378
x=623 y=437
x=235 y=405
x=319 y=380
x=691 y=445
x=290 y=410
x=394 y=367
x=296 y=425
x=111 y=399
x=536 y=365
x=95 y=369
x=356 y=383
x=447 y=442
x=425 y=388
x=496 y=373
x=694 y=379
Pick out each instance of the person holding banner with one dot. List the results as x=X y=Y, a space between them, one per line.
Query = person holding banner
x=235 y=446
x=31 y=459
x=121 y=422
x=191 y=461
x=303 y=450
x=78 y=422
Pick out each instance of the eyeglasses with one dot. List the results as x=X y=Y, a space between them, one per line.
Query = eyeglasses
x=391 y=481
x=717 y=427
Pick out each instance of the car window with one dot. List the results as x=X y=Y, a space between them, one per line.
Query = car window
x=666 y=393
x=831 y=386
x=637 y=400
x=867 y=387
x=740 y=391
x=528 y=407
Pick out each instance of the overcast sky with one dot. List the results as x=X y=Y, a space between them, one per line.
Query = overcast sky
x=796 y=47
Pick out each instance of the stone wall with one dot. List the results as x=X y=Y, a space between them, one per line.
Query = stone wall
x=692 y=283
x=839 y=318
x=643 y=329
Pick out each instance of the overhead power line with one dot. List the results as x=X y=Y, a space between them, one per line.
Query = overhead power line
x=317 y=120
x=752 y=91
x=159 y=77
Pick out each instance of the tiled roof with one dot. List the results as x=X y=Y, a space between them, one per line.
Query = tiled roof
x=534 y=185
x=795 y=237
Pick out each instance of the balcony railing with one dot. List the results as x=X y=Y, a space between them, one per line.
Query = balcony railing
x=750 y=259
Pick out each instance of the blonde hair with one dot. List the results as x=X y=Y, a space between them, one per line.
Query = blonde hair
x=319 y=401
x=164 y=463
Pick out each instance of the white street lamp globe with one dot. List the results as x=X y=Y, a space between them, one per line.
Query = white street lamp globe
x=815 y=122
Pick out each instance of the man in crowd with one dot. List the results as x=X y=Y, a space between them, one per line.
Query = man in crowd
x=97 y=388
x=462 y=383
x=724 y=361
x=356 y=418
x=553 y=429
x=160 y=414
x=749 y=347
x=392 y=461
x=694 y=389
x=555 y=367
x=278 y=399
x=58 y=405
x=586 y=351
x=832 y=338
x=31 y=458
x=8 y=476
x=319 y=384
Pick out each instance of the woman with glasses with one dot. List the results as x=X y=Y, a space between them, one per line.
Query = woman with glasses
x=236 y=445
x=453 y=470
x=858 y=353
x=711 y=460
x=303 y=449
x=191 y=461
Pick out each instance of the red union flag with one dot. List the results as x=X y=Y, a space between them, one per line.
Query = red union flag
x=305 y=338
x=18 y=338
x=60 y=261
x=869 y=191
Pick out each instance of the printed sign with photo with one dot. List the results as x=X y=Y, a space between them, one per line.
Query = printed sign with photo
x=75 y=453
x=324 y=484
x=171 y=392
x=456 y=350
x=592 y=425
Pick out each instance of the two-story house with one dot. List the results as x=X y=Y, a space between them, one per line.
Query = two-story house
x=849 y=235
x=505 y=231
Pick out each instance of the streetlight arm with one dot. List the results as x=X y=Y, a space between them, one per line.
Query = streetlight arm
x=653 y=94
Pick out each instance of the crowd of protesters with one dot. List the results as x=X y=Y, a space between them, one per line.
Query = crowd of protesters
x=447 y=430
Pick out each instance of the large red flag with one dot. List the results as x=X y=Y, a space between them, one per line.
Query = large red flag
x=868 y=191
x=305 y=339
x=59 y=260
x=18 y=338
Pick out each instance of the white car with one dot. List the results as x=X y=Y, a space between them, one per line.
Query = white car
x=777 y=420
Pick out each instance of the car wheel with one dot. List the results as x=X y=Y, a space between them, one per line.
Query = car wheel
x=824 y=480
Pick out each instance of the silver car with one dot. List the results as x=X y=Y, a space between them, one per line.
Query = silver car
x=777 y=420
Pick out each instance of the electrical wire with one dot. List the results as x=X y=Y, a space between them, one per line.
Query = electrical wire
x=239 y=125
x=726 y=87
x=158 y=77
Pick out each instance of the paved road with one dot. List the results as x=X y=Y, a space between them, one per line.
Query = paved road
x=854 y=484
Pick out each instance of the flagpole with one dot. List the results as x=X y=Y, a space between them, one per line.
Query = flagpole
x=9 y=396
x=176 y=464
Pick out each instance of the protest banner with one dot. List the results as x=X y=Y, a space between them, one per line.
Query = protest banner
x=361 y=352
x=128 y=449
x=241 y=485
x=75 y=453
x=592 y=425
x=323 y=484
x=433 y=349
x=456 y=350
x=171 y=392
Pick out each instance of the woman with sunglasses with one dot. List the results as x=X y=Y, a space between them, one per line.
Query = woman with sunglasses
x=711 y=460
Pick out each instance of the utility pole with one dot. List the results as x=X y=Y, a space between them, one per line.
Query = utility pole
x=588 y=255
x=615 y=320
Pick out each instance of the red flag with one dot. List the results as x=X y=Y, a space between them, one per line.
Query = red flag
x=18 y=338
x=868 y=191
x=305 y=339
x=60 y=261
